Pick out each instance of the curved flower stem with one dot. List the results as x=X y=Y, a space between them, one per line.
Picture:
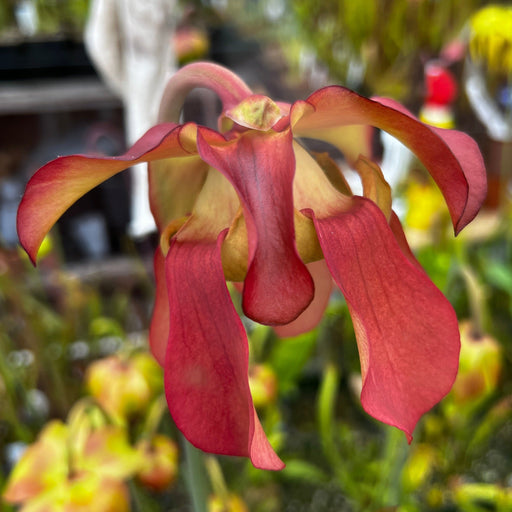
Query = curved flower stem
x=476 y=297
x=394 y=455
x=326 y=404
x=230 y=88
x=475 y=291
x=195 y=477
x=154 y=417
x=217 y=479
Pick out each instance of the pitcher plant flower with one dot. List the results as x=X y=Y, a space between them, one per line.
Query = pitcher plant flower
x=249 y=203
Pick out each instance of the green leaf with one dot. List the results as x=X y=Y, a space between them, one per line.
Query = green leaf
x=289 y=356
x=499 y=275
x=301 y=470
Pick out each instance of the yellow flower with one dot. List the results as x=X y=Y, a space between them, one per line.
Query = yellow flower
x=74 y=468
x=491 y=37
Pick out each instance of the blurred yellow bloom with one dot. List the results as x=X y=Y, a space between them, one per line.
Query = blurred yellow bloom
x=480 y=365
x=84 y=493
x=159 y=462
x=42 y=466
x=491 y=37
x=124 y=387
x=231 y=503
x=419 y=467
x=74 y=468
x=425 y=206
x=481 y=361
x=263 y=384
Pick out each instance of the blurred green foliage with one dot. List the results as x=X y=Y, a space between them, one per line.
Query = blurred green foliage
x=378 y=46
x=53 y=17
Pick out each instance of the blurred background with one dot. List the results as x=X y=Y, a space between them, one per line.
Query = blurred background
x=77 y=386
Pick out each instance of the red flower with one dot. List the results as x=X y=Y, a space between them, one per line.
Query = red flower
x=249 y=203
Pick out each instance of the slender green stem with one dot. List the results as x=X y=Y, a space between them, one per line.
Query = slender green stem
x=195 y=477
x=154 y=417
x=217 y=478
x=394 y=455
x=326 y=404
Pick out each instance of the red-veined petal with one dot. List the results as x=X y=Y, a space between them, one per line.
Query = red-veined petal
x=406 y=330
x=206 y=362
x=58 y=184
x=451 y=157
x=466 y=152
x=312 y=315
x=261 y=166
x=159 y=328
x=206 y=368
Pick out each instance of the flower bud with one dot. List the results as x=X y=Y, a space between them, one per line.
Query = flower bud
x=118 y=386
x=263 y=384
x=160 y=462
x=232 y=503
x=146 y=364
x=479 y=368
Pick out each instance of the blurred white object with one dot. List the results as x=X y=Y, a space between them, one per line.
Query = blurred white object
x=396 y=160
x=498 y=126
x=27 y=20
x=396 y=164
x=130 y=42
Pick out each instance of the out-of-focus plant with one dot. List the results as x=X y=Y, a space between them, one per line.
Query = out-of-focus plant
x=377 y=45
x=72 y=466
x=121 y=385
x=488 y=84
x=52 y=325
x=60 y=16
x=53 y=18
x=88 y=461
x=479 y=371
x=190 y=43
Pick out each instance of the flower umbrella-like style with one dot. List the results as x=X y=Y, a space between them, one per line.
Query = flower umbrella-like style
x=249 y=203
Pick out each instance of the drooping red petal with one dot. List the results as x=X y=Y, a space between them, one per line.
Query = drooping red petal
x=58 y=184
x=451 y=157
x=159 y=328
x=406 y=330
x=261 y=167
x=312 y=315
x=469 y=157
x=206 y=368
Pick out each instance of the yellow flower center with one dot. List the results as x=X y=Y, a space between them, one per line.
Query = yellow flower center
x=256 y=112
